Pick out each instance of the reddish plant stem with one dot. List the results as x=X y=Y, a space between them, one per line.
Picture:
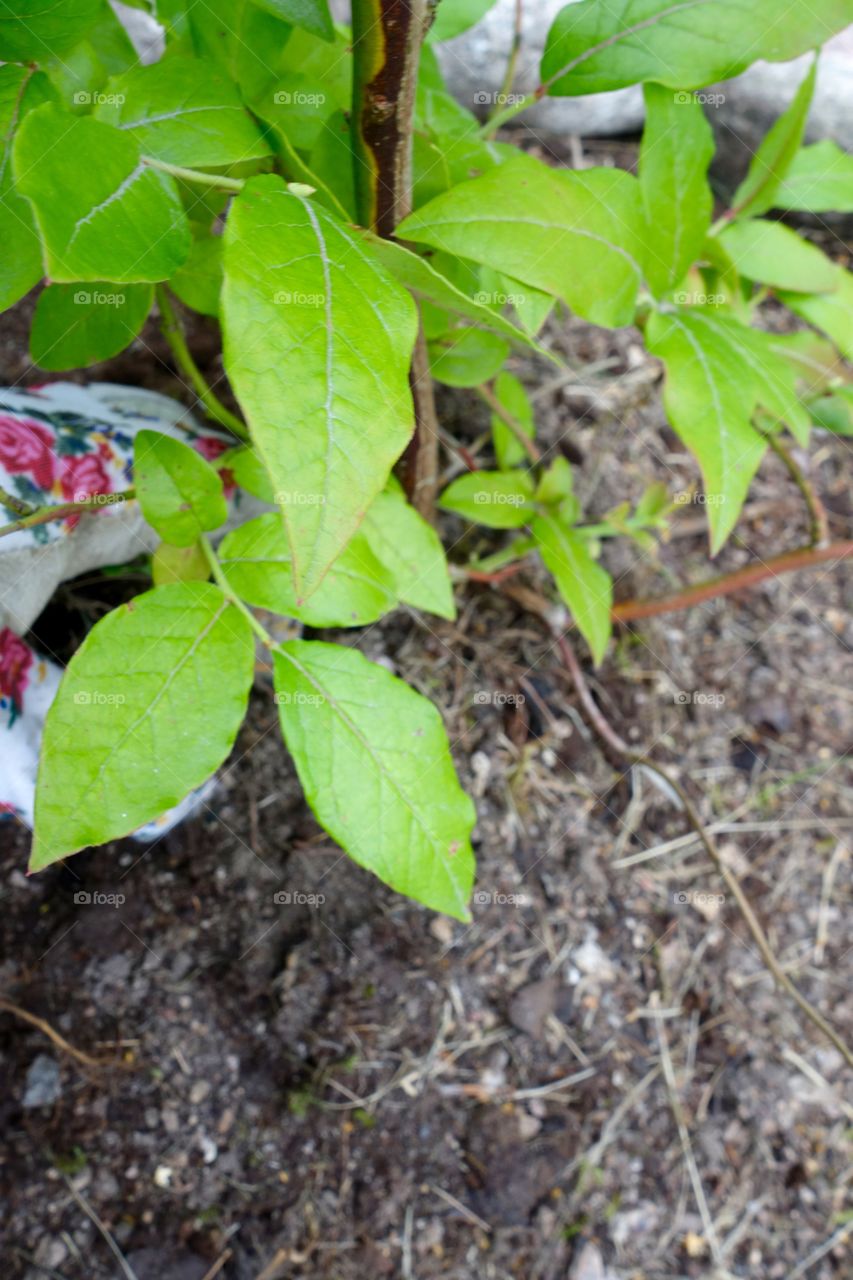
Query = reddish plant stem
x=727 y=583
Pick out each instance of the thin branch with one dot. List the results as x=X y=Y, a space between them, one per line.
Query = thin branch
x=17 y=505
x=727 y=583
x=485 y=392
x=609 y=735
x=170 y=327
x=818 y=523
x=512 y=62
x=61 y=1043
x=61 y=510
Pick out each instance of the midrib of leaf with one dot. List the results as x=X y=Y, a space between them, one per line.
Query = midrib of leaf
x=149 y=710
x=175 y=115
x=712 y=386
x=124 y=186
x=479 y=219
x=330 y=353
x=285 y=562
x=431 y=839
x=622 y=35
x=13 y=120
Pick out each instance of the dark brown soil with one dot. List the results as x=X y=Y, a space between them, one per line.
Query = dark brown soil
x=360 y=1089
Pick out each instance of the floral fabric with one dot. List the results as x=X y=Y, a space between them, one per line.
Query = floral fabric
x=66 y=443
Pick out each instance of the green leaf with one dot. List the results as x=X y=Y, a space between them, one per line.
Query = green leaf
x=773 y=254
x=411 y=550
x=30 y=30
x=313 y=15
x=248 y=472
x=314 y=83
x=771 y=162
x=148 y=708
x=675 y=153
x=582 y=583
x=577 y=236
x=456 y=16
x=835 y=412
x=497 y=499
x=686 y=44
x=331 y=166
x=710 y=395
x=198 y=283
x=830 y=312
x=356 y=590
x=101 y=213
x=513 y=397
x=179 y=564
x=819 y=180
x=333 y=411
x=531 y=306
x=21 y=89
x=426 y=283
x=179 y=492
x=247 y=44
x=466 y=357
x=774 y=378
x=74 y=327
x=556 y=483
x=182 y=111
x=373 y=758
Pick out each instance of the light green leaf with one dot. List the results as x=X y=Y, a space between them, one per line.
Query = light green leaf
x=531 y=306
x=314 y=82
x=466 y=357
x=330 y=168
x=412 y=552
x=183 y=111
x=21 y=89
x=356 y=590
x=555 y=483
x=835 y=412
x=313 y=15
x=455 y=16
x=771 y=162
x=248 y=472
x=373 y=758
x=773 y=254
x=774 y=378
x=497 y=499
x=512 y=395
x=198 y=283
x=102 y=214
x=179 y=564
x=686 y=44
x=74 y=327
x=249 y=45
x=577 y=236
x=426 y=283
x=31 y=31
x=675 y=153
x=148 y=708
x=710 y=396
x=180 y=493
x=820 y=180
x=830 y=312
x=582 y=583
x=333 y=411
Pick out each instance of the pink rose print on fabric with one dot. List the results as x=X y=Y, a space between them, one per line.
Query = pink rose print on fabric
x=83 y=476
x=210 y=448
x=16 y=658
x=26 y=448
